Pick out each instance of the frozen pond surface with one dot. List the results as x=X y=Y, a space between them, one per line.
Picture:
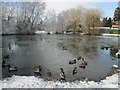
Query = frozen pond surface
x=27 y=52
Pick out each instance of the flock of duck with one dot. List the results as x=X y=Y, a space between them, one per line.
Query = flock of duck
x=38 y=69
x=81 y=65
x=5 y=64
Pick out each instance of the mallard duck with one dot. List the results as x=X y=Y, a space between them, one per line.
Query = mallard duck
x=84 y=61
x=5 y=57
x=12 y=68
x=82 y=65
x=62 y=74
x=38 y=69
x=64 y=48
x=4 y=63
x=79 y=58
x=48 y=75
x=72 y=62
x=74 y=70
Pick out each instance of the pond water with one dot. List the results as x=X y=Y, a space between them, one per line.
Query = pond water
x=29 y=51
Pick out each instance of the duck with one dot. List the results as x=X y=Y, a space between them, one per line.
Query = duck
x=5 y=57
x=74 y=70
x=102 y=47
x=79 y=58
x=82 y=65
x=48 y=75
x=38 y=69
x=4 y=63
x=62 y=74
x=12 y=68
x=84 y=61
x=72 y=62
x=64 y=48
x=106 y=48
x=115 y=67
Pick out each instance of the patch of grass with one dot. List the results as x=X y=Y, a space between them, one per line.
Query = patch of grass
x=114 y=31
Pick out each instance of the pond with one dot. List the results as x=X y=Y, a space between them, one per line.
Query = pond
x=29 y=51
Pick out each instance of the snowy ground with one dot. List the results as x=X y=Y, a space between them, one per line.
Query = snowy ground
x=113 y=35
x=34 y=82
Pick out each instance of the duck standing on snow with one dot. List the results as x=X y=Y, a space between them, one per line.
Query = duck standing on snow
x=72 y=62
x=62 y=75
x=12 y=68
x=74 y=70
x=48 y=75
x=38 y=69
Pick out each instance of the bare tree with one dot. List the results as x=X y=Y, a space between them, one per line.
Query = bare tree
x=91 y=19
x=25 y=16
x=50 y=23
x=70 y=20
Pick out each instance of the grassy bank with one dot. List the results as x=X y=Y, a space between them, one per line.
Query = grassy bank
x=114 y=31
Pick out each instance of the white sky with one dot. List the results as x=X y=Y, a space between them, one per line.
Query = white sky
x=82 y=0
x=59 y=5
x=62 y=0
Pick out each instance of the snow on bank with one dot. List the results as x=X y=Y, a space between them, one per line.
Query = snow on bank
x=34 y=82
x=40 y=32
x=113 y=35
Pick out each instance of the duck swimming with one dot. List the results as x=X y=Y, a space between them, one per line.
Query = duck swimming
x=84 y=61
x=64 y=48
x=72 y=62
x=79 y=58
x=82 y=65
x=74 y=70
x=5 y=57
x=12 y=68
x=4 y=63
x=48 y=75
x=38 y=69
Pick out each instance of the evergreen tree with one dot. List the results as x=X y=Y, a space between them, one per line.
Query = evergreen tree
x=109 y=22
x=105 y=22
x=117 y=14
